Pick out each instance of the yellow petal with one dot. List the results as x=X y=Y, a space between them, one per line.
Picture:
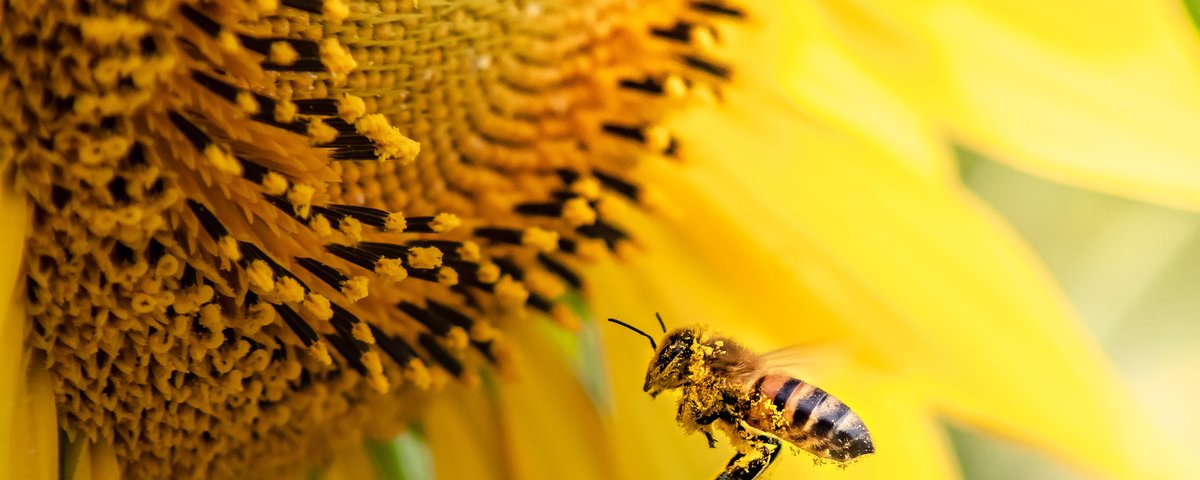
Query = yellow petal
x=799 y=53
x=1100 y=94
x=28 y=426
x=801 y=226
x=540 y=426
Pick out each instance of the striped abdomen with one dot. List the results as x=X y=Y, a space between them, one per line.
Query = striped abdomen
x=815 y=421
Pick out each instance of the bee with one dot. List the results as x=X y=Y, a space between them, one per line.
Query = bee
x=727 y=386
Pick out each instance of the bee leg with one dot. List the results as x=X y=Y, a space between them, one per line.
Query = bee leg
x=712 y=441
x=743 y=467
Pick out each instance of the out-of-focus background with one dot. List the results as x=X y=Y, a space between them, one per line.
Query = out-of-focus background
x=1133 y=272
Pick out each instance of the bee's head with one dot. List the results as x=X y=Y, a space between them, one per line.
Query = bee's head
x=672 y=364
x=674 y=361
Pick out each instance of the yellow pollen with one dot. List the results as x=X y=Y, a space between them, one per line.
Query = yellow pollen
x=261 y=277
x=247 y=103
x=444 y=222
x=395 y=222
x=282 y=53
x=391 y=268
x=577 y=212
x=457 y=338
x=447 y=276
x=675 y=87
x=390 y=144
x=335 y=10
x=222 y=160
x=416 y=373
x=228 y=247
x=482 y=332
x=544 y=284
x=321 y=225
x=355 y=288
x=334 y=56
x=321 y=353
x=274 y=183
x=105 y=31
x=469 y=251
x=658 y=139
x=542 y=240
x=318 y=306
x=289 y=290
x=350 y=107
x=285 y=111
x=375 y=377
x=588 y=188
x=362 y=332
x=510 y=293
x=424 y=257
x=228 y=41
x=301 y=197
x=488 y=273
x=352 y=228
x=267 y=7
x=591 y=249
x=320 y=132
x=704 y=38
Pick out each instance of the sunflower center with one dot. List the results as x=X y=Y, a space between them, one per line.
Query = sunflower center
x=261 y=225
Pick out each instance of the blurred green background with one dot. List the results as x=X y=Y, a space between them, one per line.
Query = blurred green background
x=1131 y=271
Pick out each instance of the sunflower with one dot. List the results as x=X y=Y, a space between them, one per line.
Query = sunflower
x=251 y=234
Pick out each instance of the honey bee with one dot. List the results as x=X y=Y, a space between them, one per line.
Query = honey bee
x=725 y=385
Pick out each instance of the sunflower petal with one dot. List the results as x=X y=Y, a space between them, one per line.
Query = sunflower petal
x=1099 y=94
x=542 y=425
x=28 y=426
x=788 y=215
x=805 y=57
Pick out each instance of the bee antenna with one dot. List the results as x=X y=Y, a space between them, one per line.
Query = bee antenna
x=639 y=332
x=660 y=322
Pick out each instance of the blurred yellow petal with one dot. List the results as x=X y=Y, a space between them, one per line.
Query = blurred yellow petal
x=103 y=463
x=28 y=426
x=798 y=55
x=83 y=460
x=540 y=426
x=1100 y=94
x=787 y=213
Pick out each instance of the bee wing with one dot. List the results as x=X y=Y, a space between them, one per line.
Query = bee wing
x=819 y=355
